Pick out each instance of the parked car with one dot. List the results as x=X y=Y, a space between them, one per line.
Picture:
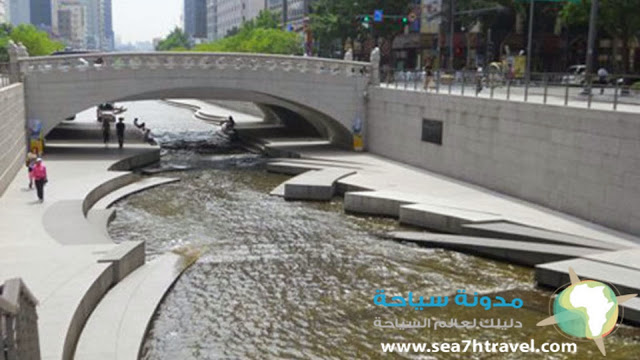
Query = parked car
x=575 y=75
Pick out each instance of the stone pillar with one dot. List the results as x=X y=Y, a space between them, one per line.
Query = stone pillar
x=348 y=56
x=16 y=51
x=375 y=66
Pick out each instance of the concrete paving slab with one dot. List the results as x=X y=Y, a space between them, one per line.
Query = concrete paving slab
x=528 y=254
x=443 y=218
x=381 y=203
x=118 y=325
x=315 y=185
x=66 y=215
x=625 y=258
x=556 y=274
x=511 y=231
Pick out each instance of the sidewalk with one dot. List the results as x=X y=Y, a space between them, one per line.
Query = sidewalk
x=61 y=274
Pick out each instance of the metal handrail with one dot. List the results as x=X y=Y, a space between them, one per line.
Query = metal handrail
x=544 y=88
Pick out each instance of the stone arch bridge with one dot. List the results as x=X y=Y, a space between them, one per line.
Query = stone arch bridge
x=322 y=95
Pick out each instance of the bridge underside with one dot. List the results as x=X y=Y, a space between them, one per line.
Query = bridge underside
x=327 y=104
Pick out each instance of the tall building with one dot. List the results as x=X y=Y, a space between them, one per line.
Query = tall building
x=195 y=18
x=212 y=20
x=71 y=23
x=108 y=38
x=3 y=12
x=19 y=12
x=226 y=15
x=292 y=12
x=41 y=13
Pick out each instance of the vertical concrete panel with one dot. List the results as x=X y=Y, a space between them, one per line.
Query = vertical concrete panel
x=579 y=161
x=12 y=136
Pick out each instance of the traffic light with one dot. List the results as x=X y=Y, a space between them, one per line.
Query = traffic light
x=366 y=19
x=405 y=20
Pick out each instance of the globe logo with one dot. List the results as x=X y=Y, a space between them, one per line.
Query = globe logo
x=586 y=309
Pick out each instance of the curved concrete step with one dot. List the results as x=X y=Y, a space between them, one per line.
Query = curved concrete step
x=138 y=186
x=315 y=185
x=118 y=325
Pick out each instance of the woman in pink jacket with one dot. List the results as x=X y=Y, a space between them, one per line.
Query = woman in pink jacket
x=39 y=174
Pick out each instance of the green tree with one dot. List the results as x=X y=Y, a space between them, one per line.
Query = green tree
x=38 y=43
x=260 y=35
x=177 y=39
x=620 y=19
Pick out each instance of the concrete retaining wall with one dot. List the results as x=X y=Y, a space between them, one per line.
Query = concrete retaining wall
x=582 y=162
x=12 y=133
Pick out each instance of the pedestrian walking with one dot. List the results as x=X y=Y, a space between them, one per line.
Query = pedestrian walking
x=603 y=76
x=40 y=176
x=120 y=132
x=428 y=74
x=106 y=130
x=32 y=156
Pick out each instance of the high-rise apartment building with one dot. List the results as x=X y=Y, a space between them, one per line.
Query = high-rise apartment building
x=195 y=18
x=71 y=23
x=292 y=12
x=212 y=20
x=108 y=36
x=19 y=12
x=225 y=15
x=3 y=12
x=40 y=11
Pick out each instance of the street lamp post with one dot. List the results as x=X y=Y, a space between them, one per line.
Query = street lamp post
x=529 y=47
x=452 y=10
x=593 y=19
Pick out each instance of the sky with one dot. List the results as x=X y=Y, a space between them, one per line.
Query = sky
x=143 y=20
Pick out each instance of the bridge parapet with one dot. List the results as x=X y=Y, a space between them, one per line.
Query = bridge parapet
x=193 y=60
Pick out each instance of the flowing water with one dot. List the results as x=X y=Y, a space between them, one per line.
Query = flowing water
x=295 y=280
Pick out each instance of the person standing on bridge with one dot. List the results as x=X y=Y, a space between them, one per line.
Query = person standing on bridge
x=120 y=132
x=39 y=174
x=106 y=130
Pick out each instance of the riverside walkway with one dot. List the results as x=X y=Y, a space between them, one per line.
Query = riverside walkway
x=60 y=248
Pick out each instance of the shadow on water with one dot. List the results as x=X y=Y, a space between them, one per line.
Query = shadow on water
x=295 y=280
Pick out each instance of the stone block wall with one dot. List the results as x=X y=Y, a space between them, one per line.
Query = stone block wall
x=12 y=133
x=582 y=162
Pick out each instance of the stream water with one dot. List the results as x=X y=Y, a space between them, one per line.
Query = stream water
x=295 y=280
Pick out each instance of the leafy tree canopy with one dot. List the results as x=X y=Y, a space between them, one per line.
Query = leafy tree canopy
x=37 y=42
x=177 y=39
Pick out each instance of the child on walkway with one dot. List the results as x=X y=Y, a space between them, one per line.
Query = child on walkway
x=30 y=162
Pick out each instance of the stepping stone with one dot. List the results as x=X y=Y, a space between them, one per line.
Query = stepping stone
x=524 y=253
x=315 y=185
x=625 y=279
x=511 y=231
x=443 y=218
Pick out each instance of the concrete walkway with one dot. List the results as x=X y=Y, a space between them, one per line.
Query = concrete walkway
x=67 y=260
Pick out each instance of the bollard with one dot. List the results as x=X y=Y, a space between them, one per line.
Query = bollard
x=615 y=98
x=546 y=88
x=508 y=89
x=566 y=95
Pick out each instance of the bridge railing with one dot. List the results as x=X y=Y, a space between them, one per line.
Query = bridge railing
x=18 y=322
x=193 y=60
x=614 y=92
x=4 y=75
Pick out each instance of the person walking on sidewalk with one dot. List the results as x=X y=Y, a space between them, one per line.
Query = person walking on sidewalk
x=39 y=174
x=120 y=132
x=30 y=162
x=106 y=130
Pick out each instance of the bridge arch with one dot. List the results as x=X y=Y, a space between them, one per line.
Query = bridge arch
x=327 y=94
